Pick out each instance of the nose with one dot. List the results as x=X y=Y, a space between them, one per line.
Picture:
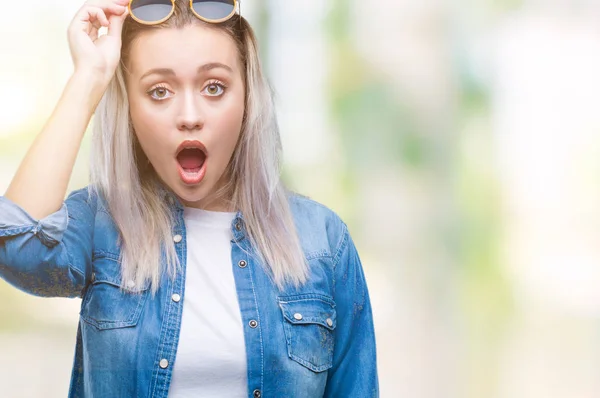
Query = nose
x=190 y=115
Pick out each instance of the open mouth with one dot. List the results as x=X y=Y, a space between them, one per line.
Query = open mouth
x=191 y=159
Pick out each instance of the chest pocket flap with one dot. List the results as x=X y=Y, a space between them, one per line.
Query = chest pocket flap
x=108 y=306
x=309 y=321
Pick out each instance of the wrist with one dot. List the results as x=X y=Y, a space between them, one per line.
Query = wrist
x=89 y=86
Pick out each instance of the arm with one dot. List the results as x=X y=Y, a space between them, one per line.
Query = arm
x=50 y=257
x=43 y=237
x=40 y=183
x=354 y=370
x=45 y=244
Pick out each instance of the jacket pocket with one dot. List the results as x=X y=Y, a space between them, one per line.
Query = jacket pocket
x=108 y=306
x=309 y=321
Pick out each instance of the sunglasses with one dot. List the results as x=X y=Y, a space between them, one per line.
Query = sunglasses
x=153 y=12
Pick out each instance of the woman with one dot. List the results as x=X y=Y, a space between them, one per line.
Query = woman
x=185 y=206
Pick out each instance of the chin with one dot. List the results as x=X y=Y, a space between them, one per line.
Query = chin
x=187 y=193
x=190 y=193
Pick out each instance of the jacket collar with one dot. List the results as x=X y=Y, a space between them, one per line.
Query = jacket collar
x=237 y=224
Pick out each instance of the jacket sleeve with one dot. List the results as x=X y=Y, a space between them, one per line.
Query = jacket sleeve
x=49 y=257
x=354 y=370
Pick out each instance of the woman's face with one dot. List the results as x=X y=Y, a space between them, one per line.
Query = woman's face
x=186 y=90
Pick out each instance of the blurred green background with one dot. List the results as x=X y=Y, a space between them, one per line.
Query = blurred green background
x=459 y=141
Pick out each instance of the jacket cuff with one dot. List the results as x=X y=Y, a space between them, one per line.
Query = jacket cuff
x=14 y=220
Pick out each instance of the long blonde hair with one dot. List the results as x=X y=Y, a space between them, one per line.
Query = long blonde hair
x=121 y=175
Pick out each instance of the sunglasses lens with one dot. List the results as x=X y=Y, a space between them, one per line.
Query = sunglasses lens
x=151 y=10
x=214 y=10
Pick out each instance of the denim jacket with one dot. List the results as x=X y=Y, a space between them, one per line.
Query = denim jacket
x=127 y=343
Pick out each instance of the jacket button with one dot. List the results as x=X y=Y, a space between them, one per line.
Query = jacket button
x=163 y=363
x=329 y=322
x=176 y=298
x=238 y=226
x=253 y=324
x=297 y=316
x=242 y=264
x=93 y=277
x=256 y=393
x=177 y=238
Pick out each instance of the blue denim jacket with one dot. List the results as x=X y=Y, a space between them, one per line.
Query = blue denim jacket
x=127 y=343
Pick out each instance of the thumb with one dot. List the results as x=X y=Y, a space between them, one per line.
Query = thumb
x=115 y=24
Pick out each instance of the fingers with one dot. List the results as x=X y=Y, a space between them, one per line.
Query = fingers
x=116 y=24
x=116 y=9
x=112 y=6
x=95 y=14
x=100 y=10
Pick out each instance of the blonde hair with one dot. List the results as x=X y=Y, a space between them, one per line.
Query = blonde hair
x=130 y=187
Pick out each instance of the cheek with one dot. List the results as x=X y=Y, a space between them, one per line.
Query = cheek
x=231 y=120
x=147 y=125
x=230 y=126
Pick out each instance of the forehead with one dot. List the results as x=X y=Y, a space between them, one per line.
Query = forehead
x=182 y=50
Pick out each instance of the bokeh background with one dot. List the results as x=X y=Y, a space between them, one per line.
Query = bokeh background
x=458 y=139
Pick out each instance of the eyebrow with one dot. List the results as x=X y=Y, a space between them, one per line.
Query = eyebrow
x=171 y=72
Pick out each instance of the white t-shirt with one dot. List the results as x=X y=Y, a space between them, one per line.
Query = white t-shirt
x=211 y=356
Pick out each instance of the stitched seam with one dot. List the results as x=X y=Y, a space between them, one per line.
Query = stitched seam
x=316 y=255
x=132 y=320
x=262 y=362
x=99 y=253
x=159 y=350
x=69 y=259
x=8 y=232
x=179 y=310
x=90 y=194
x=165 y=330
x=168 y=317
x=289 y=331
x=105 y=325
x=310 y=365
x=76 y=270
x=342 y=245
x=304 y=297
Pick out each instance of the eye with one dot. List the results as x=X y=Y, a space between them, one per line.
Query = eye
x=214 y=89
x=159 y=93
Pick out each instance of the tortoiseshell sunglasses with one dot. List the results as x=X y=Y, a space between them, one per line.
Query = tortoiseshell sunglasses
x=153 y=12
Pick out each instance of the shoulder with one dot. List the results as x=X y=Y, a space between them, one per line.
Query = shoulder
x=321 y=230
x=85 y=196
